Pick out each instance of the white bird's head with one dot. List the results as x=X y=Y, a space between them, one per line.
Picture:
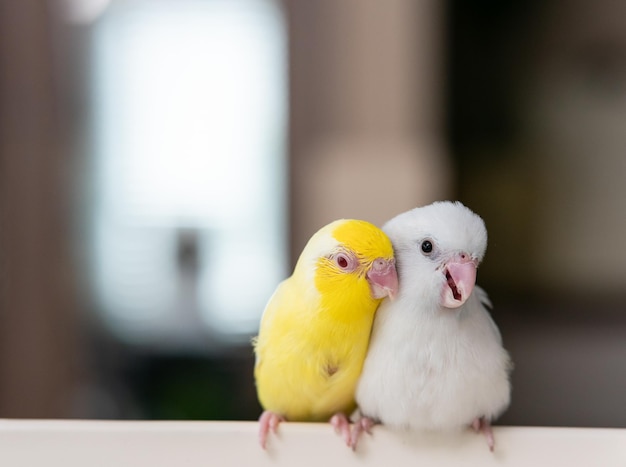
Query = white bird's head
x=438 y=248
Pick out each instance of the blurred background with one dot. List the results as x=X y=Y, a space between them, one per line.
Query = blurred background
x=163 y=162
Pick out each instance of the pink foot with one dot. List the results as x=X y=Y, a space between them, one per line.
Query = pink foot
x=342 y=426
x=268 y=421
x=364 y=424
x=482 y=425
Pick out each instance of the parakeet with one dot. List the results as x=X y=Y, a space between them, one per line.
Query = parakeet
x=315 y=329
x=436 y=360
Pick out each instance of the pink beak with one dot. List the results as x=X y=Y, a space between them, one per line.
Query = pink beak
x=460 y=274
x=383 y=278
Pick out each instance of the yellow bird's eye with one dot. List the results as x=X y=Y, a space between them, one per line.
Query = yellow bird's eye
x=345 y=262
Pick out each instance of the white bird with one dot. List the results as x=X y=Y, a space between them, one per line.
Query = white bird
x=435 y=360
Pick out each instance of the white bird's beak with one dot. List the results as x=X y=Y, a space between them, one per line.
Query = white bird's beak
x=460 y=274
x=383 y=278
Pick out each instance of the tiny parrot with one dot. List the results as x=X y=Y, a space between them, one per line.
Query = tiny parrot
x=315 y=329
x=436 y=360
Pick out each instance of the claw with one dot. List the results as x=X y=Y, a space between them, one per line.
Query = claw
x=342 y=426
x=483 y=425
x=364 y=424
x=268 y=421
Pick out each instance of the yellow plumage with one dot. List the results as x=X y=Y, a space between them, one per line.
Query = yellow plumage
x=315 y=330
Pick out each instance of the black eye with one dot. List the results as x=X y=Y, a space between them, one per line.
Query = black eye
x=427 y=247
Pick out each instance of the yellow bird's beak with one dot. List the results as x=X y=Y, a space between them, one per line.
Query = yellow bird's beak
x=383 y=278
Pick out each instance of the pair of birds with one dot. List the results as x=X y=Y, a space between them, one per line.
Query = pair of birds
x=431 y=360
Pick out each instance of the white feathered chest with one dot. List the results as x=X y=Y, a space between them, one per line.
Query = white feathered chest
x=436 y=369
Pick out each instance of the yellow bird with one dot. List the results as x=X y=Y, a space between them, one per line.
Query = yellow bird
x=315 y=329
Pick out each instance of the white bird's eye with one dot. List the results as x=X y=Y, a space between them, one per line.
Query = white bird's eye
x=427 y=247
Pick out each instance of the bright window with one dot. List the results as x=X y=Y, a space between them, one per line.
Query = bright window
x=188 y=225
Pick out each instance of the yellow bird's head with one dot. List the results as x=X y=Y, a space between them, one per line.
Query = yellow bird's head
x=351 y=263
